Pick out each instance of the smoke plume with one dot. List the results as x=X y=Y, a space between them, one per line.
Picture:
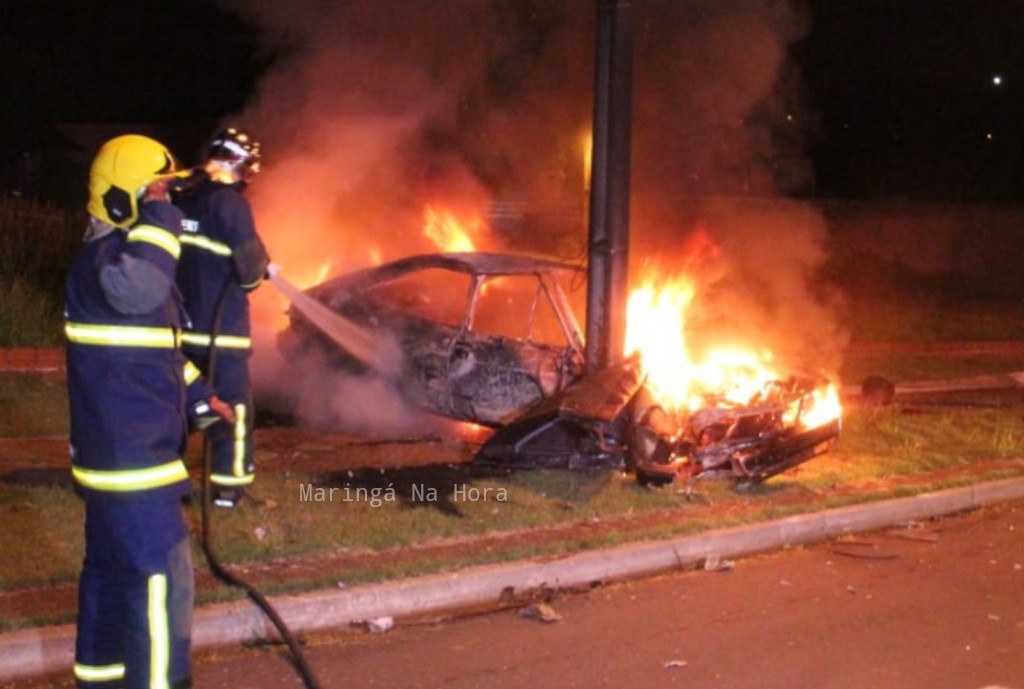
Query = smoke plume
x=374 y=108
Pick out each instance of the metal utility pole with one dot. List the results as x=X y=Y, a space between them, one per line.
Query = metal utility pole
x=608 y=264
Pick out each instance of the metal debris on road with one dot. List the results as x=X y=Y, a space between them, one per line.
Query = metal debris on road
x=713 y=563
x=541 y=612
x=379 y=625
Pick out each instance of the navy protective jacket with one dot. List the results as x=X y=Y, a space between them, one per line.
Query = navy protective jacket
x=126 y=371
x=221 y=255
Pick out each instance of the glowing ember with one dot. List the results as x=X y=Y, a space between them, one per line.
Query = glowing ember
x=472 y=432
x=448 y=232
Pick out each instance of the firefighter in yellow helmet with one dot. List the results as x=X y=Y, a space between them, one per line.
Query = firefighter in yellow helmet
x=129 y=393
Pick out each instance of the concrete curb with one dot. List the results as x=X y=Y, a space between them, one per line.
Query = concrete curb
x=35 y=652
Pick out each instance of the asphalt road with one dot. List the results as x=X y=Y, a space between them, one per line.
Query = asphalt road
x=939 y=606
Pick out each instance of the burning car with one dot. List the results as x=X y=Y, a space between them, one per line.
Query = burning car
x=492 y=339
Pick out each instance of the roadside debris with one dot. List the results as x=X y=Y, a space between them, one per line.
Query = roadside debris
x=924 y=536
x=713 y=563
x=376 y=625
x=867 y=550
x=541 y=612
x=981 y=391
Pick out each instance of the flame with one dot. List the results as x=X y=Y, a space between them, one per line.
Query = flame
x=735 y=375
x=656 y=328
x=821 y=407
x=448 y=232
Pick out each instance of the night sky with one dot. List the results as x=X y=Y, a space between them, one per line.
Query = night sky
x=126 y=61
x=923 y=99
x=898 y=98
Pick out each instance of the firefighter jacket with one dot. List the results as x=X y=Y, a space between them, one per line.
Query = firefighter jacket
x=222 y=258
x=126 y=371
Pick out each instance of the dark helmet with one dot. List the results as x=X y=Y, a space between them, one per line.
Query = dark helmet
x=236 y=150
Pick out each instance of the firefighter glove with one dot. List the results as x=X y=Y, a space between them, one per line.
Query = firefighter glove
x=209 y=411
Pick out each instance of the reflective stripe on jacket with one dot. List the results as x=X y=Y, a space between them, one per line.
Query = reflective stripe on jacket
x=222 y=255
x=126 y=371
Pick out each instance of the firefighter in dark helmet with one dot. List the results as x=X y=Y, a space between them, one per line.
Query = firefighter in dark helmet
x=222 y=260
x=129 y=394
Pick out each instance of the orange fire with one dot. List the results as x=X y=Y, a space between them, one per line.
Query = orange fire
x=656 y=328
x=314 y=275
x=450 y=233
x=823 y=407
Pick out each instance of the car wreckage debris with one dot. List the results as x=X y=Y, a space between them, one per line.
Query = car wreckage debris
x=491 y=339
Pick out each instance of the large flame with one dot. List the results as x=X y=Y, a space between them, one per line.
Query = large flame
x=656 y=328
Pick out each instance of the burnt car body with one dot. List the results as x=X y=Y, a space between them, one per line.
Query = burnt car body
x=484 y=337
x=492 y=339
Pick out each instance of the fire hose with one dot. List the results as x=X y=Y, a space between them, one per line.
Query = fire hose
x=377 y=353
x=218 y=569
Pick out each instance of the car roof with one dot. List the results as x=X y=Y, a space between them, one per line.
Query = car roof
x=471 y=263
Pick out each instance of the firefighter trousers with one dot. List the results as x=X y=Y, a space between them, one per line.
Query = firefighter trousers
x=231 y=445
x=136 y=595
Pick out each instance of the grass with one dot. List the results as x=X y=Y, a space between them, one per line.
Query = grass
x=521 y=500
x=39 y=519
x=884 y=443
x=30 y=315
x=37 y=243
x=882 y=453
x=918 y=314
x=907 y=367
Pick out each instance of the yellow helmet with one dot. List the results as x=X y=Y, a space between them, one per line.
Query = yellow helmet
x=121 y=170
